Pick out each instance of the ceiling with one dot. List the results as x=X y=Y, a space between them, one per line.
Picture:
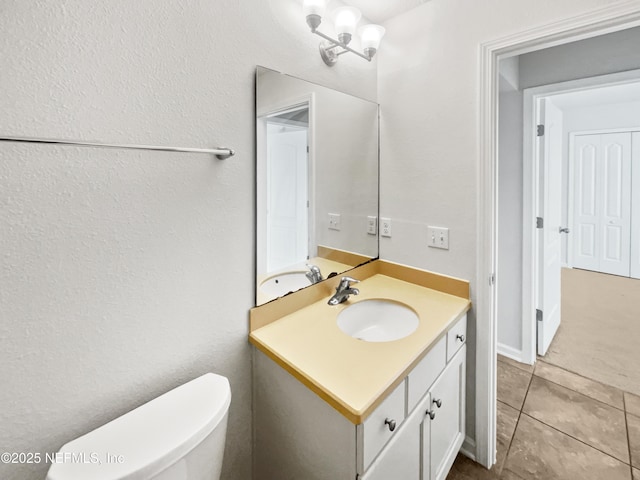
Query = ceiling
x=379 y=11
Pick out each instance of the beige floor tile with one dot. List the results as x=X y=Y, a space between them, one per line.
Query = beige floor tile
x=588 y=420
x=507 y=419
x=512 y=385
x=633 y=424
x=465 y=469
x=540 y=452
x=513 y=363
x=509 y=475
x=609 y=395
x=636 y=474
x=632 y=403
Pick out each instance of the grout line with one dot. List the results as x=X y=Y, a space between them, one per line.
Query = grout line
x=506 y=456
x=577 y=439
x=541 y=359
x=626 y=424
x=584 y=394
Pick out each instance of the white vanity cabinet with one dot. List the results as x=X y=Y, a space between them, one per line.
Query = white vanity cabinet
x=447 y=427
x=415 y=433
x=401 y=458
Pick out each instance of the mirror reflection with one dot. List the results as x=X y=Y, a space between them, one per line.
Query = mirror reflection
x=317 y=183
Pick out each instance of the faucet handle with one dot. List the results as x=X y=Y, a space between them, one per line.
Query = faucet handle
x=345 y=282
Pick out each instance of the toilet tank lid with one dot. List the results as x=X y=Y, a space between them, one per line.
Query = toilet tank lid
x=148 y=439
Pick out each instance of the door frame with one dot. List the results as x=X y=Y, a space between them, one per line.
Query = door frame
x=262 y=114
x=619 y=16
x=530 y=283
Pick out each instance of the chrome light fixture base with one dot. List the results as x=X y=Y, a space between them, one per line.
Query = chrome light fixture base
x=328 y=52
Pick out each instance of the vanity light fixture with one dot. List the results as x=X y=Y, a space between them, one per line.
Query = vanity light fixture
x=345 y=20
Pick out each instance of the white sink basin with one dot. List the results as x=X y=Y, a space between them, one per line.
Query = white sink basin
x=283 y=283
x=378 y=320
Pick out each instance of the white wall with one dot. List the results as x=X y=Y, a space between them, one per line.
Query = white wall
x=614 y=52
x=122 y=273
x=509 y=311
x=428 y=77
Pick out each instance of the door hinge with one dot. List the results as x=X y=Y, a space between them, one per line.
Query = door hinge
x=540 y=130
x=307 y=148
x=539 y=222
x=492 y=279
x=538 y=315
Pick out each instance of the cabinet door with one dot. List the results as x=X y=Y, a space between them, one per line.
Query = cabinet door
x=400 y=458
x=447 y=425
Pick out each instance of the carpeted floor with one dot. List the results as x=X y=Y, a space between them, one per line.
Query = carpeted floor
x=599 y=335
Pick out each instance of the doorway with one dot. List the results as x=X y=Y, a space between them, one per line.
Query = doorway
x=564 y=127
x=285 y=193
x=610 y=19
x=288 y=172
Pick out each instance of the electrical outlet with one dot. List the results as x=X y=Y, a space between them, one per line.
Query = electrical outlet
x=385 y=227
x=372 y=225
x=438 y=237
x=334 y=221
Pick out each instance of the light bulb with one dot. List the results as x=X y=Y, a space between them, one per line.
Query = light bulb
x=313 y=11
x=346 y=19
x=370 y=36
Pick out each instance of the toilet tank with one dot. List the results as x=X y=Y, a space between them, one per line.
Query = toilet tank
x=178 y=436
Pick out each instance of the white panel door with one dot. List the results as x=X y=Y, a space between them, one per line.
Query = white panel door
x=586 y=214
x=550 y=244
x=635 y=205
x=602 y=203
x=287 y=199
x=616 y=203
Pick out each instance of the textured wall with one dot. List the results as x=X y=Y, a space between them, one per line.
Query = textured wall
x=124 y=274
x=427 y=78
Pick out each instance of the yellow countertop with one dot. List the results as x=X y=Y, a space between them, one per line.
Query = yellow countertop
x=352 y=375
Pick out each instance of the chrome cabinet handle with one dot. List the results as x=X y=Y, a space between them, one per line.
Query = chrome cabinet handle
x=390 y=423
x=431 y=414
x=460 y=337
x=438 y=402
x=564 y=230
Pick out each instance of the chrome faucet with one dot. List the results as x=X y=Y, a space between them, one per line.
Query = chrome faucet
x=314 y=275
x=343 y=290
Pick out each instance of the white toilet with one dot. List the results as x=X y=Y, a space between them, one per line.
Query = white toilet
x=177 y=436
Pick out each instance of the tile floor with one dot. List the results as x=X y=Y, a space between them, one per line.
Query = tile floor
x=554 y=424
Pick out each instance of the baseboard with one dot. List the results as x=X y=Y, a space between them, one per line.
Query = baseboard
x=510 y=352
x=468 y=448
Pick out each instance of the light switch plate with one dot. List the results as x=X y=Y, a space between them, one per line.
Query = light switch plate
x=385 y=227
x=334 y=221
x=438 y=237
x=372 y=225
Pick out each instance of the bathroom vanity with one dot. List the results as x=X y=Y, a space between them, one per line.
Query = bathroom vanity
x=331 y=406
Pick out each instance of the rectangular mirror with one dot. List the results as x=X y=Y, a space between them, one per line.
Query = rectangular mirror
x=317 y=183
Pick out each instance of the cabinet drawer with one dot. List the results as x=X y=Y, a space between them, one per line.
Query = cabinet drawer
x=456 y=337
x=425 y=373
x=374 y=433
